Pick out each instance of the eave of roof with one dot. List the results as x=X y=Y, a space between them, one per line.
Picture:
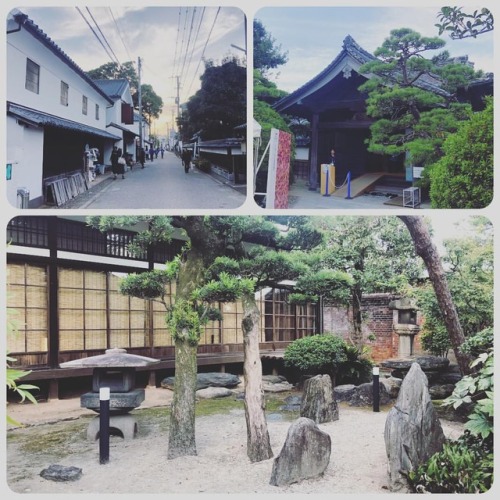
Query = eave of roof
x=125 y=129
x=221 y=143
x=39 y=118
x=24 y=21
x=352 y=51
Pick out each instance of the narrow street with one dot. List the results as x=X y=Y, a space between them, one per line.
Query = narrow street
x=162 y=184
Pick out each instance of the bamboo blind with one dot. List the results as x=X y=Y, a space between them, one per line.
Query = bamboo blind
x=27 y=300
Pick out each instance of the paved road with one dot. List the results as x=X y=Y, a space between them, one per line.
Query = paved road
x=162 y=184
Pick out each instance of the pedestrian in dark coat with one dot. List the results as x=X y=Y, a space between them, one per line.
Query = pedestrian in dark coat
x=142 y=157
x=114 y=161
x=151 y=154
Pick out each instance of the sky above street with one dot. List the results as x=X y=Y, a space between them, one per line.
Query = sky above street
x=171 y=42
x=313 y=36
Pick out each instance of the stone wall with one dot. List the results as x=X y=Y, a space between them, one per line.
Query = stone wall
x=378 y=321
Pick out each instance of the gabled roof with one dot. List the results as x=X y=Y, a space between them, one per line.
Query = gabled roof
x=24 y=21
x=113 y=88
x=38 y=118
x=348 y=61
x=352 y=56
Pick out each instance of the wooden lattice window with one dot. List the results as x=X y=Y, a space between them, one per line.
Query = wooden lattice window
x=32 y=76
x=27 y=304
x=283 y=321
x=64 y=93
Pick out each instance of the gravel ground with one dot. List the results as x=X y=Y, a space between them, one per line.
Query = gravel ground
x=357 y=464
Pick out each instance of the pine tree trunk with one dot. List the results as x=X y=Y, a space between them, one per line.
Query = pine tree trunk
x=426 y=249
x=258 y=443
x=182 y=419
x=182 y=440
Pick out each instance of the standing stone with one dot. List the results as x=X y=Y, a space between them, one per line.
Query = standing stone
x=305 y=454
x=318 y=402
x=413 y=432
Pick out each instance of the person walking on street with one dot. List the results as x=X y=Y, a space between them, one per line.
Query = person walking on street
x=121 y=164
x=142 y=157
x=114 y=161
x=151 y=153
x=162 y=151
x=186 y=159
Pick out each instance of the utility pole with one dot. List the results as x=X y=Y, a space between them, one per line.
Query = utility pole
x=140 y=105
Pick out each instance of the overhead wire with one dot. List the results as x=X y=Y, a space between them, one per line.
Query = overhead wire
x=97 y=36
x=119 y=31
x=103 y=37
x=206 y=44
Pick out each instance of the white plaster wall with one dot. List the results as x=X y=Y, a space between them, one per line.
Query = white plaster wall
x=25 y=152
x=302 y=153
x=20 y=46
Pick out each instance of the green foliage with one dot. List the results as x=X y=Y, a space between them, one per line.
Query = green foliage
x=357 y=368
x=477 y=389
x=316 y=354
x=478 y=343
x=184 y=323
x=152 y=103
x=220 y=104
x=469 y=264
x=461 y=467
x=268 y=118
x=13 y=375
x=267 y=54
x=148 y=285
x=264 y=89
x=463 y=177
x=411 y=119
x=328 y=283
x=458 y=24
x=226 y=288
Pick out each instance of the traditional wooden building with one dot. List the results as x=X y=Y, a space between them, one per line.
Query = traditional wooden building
x=62 y=293
x=336 y=110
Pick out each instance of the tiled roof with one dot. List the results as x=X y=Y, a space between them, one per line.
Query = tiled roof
x=24 y=21
x=40 y=118
x=350 y=49
x=112 y=88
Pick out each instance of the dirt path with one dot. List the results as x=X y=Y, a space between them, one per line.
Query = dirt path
x=357 y=464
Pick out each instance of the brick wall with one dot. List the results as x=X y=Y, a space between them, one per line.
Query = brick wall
x=378 y=321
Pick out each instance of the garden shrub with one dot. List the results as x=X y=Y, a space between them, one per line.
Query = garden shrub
x=466 y=465
x=463 y=466
x=358 y=367
x=328 y=354
x=476 y=344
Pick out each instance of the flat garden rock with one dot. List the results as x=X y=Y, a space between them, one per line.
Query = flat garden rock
x=210 y=379
x=213 y=393
x=61 y=473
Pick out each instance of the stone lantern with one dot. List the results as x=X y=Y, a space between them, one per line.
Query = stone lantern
x=115 y=369
x=405 y=324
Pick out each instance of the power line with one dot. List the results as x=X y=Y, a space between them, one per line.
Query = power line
x=104 y=38
x=96 y=35
x=205 y=47
x=120 y=34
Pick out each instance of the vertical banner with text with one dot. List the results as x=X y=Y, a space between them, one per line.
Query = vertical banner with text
x=278 y=175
